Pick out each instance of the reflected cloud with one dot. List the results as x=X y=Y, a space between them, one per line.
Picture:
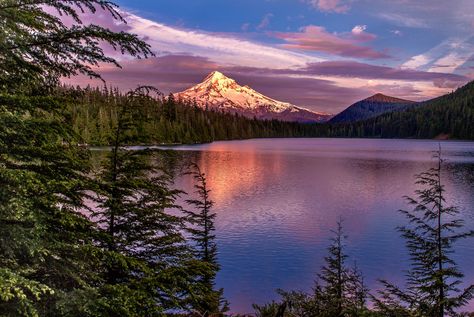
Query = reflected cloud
x=277 y=200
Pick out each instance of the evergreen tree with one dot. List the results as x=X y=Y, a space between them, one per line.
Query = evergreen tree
x=357 y=293
x=46 y=246
x=272 y=309
x=146 y=268
x=339 y=290
x=433 y=281
x=47 y=251
x=36 y=45
x=202 y=233
x=331 y=287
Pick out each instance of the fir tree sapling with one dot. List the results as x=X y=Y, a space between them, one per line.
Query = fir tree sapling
x=202 y=231
x=433 y=282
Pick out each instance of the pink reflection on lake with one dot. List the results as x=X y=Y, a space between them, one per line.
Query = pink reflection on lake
x=278 y=199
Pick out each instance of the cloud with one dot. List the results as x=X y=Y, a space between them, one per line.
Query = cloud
x=228 y=49
x=313 y=93
x=168 y=73
x=265 y=21
x=245 y=27
x=397 y=32
x=403 y=20
x=448 y=56
x=359 y=33
x=450 y=62
x=299 y=78
x=351 y=69
x=337 y=6
x=173 y=73
x=368 y=79
x=332 y=86
x=456 y=16
x=363 y=70
x=323 y=86
x=417 y=61
x=316 y=38
x=358 y=29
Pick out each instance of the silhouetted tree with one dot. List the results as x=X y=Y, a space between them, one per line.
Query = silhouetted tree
x=339 y=290
x=37 y=45
x=202 y=230
x=432 y=285
x=332 y=282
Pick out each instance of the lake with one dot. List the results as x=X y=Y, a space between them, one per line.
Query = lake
x=277 y=200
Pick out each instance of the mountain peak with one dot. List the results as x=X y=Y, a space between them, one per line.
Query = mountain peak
x=371 y=107
x=216 y=75
x=381 y=98
x=217 y=81
x=221 y=93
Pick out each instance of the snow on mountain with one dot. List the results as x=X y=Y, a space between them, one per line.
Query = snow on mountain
x=221 y=93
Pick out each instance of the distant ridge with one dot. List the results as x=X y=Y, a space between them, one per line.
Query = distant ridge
x=386 y=99
x=450 y=116
x=371 y=107
x=221 y=93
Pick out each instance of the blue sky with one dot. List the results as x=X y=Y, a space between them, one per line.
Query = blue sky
x=254 y=19
x=321 y=54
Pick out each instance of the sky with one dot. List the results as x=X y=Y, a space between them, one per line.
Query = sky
x=320 y=54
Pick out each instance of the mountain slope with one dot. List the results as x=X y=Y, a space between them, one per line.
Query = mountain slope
x=220 y=93
x=370 y=107
x=449 y=116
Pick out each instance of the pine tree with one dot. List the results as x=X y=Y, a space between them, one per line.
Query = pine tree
x=202 y=230
x=432 y=285
x=356 y=292
x=146 y=269
x=340 y=290
x=36 y=45
x=46 y=246
x=331 y=285
x=47 y=251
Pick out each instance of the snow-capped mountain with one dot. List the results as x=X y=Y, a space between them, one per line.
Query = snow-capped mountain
x=221 y=93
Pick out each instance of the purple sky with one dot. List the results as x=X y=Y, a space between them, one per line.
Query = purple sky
x=319 y=54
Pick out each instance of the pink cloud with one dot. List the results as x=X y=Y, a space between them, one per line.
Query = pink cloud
x=358 y=33
x=316 y=38
x=337 y=6
x=100 y=17
x=172 y=73
x=363 y=70
x=169 y=73
x=177 y=71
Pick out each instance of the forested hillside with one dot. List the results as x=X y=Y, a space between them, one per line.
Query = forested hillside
x=449 y=116
x=163 y=120
x=93 y=114
x=371 y=107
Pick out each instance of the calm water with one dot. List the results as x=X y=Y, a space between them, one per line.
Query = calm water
x=277 y=200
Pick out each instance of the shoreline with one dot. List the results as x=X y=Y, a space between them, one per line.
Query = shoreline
x=171 y=145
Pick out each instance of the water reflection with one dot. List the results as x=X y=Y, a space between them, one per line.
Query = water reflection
x=278 y=199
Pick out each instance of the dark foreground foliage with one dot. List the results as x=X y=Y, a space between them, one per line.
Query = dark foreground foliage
x=78 y=239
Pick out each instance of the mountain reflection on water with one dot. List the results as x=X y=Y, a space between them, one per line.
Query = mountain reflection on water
x=278 y=199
